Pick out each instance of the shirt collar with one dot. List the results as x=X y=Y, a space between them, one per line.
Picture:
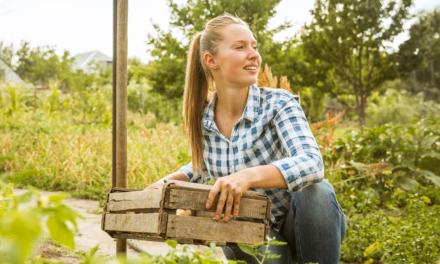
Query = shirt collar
x=251 y=110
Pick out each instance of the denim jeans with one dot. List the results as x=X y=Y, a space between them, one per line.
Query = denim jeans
x=313 y=229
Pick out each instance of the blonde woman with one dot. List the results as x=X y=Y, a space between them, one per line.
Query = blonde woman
x=246 y=137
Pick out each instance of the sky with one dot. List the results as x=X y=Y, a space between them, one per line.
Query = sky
x=85 y=25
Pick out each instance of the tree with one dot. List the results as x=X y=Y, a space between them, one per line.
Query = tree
x=40 y=64
x=419 y=56
x=166 y=71
x=6 y=53
x=347 y=42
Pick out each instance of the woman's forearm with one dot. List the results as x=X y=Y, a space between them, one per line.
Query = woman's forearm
x=178 y=175
x=265 y=176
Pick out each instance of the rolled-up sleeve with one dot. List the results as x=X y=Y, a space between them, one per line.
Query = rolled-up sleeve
x=187 y=169
x=304 y=165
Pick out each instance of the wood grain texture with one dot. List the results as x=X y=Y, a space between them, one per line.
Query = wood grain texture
x=135 y=200
x=137 y=223
x=200 y=228
x=174 y=184
x=196 y=200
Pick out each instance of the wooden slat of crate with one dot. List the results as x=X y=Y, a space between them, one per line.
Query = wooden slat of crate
x=134 y=200
x=201 y=228
x=137 y=223
x=196 y=200
x=204 y=187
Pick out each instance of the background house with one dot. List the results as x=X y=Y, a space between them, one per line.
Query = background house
x=8 y=75
x=87 y=61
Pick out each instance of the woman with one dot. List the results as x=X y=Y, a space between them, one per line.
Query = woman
x=248 y=137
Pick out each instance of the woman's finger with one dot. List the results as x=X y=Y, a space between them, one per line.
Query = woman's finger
x=229 y=204
x=237 y=199
x=212 y=194
x=221 y=203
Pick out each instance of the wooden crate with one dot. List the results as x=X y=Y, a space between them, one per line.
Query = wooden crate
x=151 y=215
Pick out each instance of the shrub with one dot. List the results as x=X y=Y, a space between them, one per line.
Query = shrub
x=397 y=106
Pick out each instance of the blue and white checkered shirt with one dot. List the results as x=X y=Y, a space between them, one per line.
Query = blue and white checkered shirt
x=272 y=130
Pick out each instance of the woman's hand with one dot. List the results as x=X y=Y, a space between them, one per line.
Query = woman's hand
x=230 y=189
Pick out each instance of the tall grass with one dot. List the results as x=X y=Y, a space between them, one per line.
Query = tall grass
x=58 y=150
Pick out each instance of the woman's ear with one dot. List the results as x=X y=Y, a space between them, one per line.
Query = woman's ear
x=210 y=61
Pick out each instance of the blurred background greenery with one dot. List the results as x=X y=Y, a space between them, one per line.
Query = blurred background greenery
x=374 y=111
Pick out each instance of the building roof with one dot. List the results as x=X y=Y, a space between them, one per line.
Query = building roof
x=83 y=60
x=9 y=75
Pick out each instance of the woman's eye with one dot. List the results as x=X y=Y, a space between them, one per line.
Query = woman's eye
x=239 y=47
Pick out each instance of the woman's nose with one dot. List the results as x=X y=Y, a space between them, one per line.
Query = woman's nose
x=253 y=53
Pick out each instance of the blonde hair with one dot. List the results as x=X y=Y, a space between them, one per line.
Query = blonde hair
x=198 y=81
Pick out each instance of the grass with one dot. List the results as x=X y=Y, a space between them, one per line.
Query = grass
x=53 y=152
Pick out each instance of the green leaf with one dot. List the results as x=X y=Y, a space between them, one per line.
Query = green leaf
x=59 y=232
x=248 y=249
x=372 y=249
x=435 y=179
x=408 y=184
x=277 y=243
x=273 y=256
x=57 y=198
x=171 y=243
x=430 y=162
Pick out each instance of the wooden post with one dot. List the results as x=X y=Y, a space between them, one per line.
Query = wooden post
x=119 y=131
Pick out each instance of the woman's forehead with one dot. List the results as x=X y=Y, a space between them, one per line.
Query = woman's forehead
x=237 y=33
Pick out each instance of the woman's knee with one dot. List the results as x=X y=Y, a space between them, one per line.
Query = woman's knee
x=317 y=200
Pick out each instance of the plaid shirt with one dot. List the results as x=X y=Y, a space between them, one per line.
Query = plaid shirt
x=272 y=130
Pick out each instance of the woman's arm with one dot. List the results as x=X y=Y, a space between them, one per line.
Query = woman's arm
x=304 y=164
x=302 y=167
x=173 y=176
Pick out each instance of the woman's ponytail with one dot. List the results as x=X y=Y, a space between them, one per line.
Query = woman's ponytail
x=194 y=99
x=197 y=82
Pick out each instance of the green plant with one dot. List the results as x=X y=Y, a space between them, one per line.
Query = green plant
x=27 y=218
x=260 y=251
x=397 y=106
x=388 y=175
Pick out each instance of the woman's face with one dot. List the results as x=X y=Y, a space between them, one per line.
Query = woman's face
x=237 y=61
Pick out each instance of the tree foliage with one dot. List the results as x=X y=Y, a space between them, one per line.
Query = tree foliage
x=41 y=64
x=419 y=56
x=6 y=53
x=346 y=43
x=166 y=71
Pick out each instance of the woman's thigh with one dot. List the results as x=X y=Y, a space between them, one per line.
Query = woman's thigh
x=315 y=225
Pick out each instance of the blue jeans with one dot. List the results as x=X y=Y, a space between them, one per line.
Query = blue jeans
x=313 y=229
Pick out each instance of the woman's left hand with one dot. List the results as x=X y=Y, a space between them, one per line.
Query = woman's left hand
x=230 y=189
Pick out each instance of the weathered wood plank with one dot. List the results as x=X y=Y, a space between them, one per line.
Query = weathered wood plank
x=135 y=200
x=138 y=223
x=191 y=227
x=175 y=184
x=196 y=200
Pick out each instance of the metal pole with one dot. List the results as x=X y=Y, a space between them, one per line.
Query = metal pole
x=119 y=126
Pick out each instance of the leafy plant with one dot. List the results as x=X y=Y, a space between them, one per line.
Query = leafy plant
x=27 y=218
x=261 y=252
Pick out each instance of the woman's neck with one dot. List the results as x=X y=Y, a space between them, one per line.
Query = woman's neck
x=231 y=101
